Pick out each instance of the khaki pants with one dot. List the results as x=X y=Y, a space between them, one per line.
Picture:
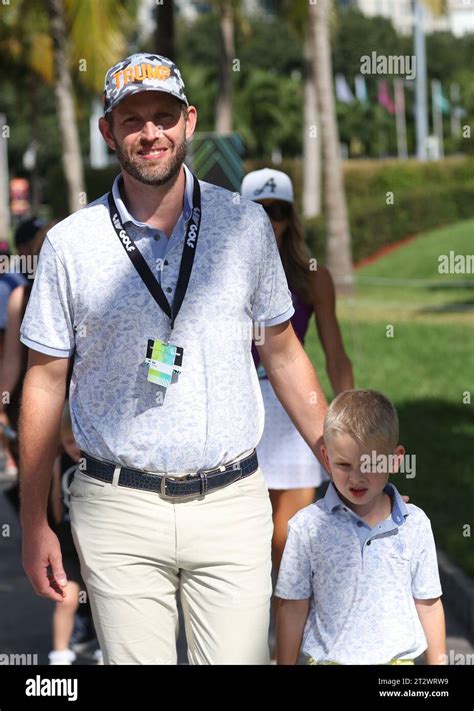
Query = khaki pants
x=138 y=550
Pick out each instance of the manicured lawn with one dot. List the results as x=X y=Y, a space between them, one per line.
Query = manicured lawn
x=425 y=368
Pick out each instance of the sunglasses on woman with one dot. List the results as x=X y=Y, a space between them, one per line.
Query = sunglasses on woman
x=278 y=211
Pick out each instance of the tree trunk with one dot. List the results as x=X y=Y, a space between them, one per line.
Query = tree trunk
x=224 y=94
x=4 y=180
x=421 y=93
x=311 y=141
x=165 y=30
x=35 y=142
x=338 y=248
x=72 y=158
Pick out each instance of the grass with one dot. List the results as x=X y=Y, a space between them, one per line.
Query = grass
x=426 y=368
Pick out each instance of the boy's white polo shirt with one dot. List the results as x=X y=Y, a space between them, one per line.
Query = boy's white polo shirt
x=361 y=580
x=88 y=296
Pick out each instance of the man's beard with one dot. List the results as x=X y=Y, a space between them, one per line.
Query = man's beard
x=155 y=173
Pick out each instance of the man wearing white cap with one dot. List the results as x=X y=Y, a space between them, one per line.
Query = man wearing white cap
x=153 y=290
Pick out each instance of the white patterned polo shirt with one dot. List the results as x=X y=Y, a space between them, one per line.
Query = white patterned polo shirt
x=88 y=299
x=361 y=581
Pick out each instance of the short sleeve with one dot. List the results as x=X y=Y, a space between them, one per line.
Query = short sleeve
x=295 y=579
x=425 y=583
x=48 y=323
x=271 y=298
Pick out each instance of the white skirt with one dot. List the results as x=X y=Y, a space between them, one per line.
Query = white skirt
x=286 y=460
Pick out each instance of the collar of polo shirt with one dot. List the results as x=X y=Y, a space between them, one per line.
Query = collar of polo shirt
x=400 y=511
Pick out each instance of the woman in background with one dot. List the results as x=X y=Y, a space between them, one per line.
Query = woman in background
x=292 y=471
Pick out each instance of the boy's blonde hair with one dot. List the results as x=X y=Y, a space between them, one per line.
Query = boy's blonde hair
x=366 y=415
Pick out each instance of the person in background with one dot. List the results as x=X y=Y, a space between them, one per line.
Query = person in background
x=9 y=281
x=292 y=471
x=29 y=237
x=65 y=610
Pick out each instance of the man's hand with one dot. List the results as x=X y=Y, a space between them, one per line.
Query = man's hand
x=43 y=396
x=41 y=549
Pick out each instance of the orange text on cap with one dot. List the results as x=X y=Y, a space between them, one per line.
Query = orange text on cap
x=141 y=72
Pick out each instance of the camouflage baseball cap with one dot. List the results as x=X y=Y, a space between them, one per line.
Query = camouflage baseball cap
x=142 y=72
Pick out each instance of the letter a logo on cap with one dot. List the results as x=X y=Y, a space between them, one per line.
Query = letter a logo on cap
x=270 y=183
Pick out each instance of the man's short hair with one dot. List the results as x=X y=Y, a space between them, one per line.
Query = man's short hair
x=366 y=415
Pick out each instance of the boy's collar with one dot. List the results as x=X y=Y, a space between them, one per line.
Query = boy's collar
x=399 y=509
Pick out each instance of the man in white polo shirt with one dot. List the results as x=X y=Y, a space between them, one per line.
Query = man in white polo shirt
x=153 y=291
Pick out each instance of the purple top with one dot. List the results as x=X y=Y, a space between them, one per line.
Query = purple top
x=299 y=321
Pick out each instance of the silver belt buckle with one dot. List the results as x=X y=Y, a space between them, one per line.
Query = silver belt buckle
x=163 y=486
x=173 y=478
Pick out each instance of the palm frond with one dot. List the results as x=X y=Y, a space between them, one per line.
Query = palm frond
x=97 y=36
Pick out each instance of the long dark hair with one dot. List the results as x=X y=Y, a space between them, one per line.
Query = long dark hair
x=295 y=257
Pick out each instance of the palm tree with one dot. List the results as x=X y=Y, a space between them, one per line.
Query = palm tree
x=62 y=34
x=63 y=89
x=97 y=39
x=311 y=142
x=339 y=258
x=26 y=45
x=226 y=11
x=295 y=12
x=165 y=35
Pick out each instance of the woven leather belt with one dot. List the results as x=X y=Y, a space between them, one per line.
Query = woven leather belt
x=198 y=484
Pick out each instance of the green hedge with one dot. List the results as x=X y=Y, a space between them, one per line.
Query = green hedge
x=366 y=179
x=375 y=224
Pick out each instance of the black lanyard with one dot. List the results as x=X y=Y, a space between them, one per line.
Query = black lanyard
x=187 y=259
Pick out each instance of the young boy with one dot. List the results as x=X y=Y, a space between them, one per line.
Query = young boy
x=359 y=577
